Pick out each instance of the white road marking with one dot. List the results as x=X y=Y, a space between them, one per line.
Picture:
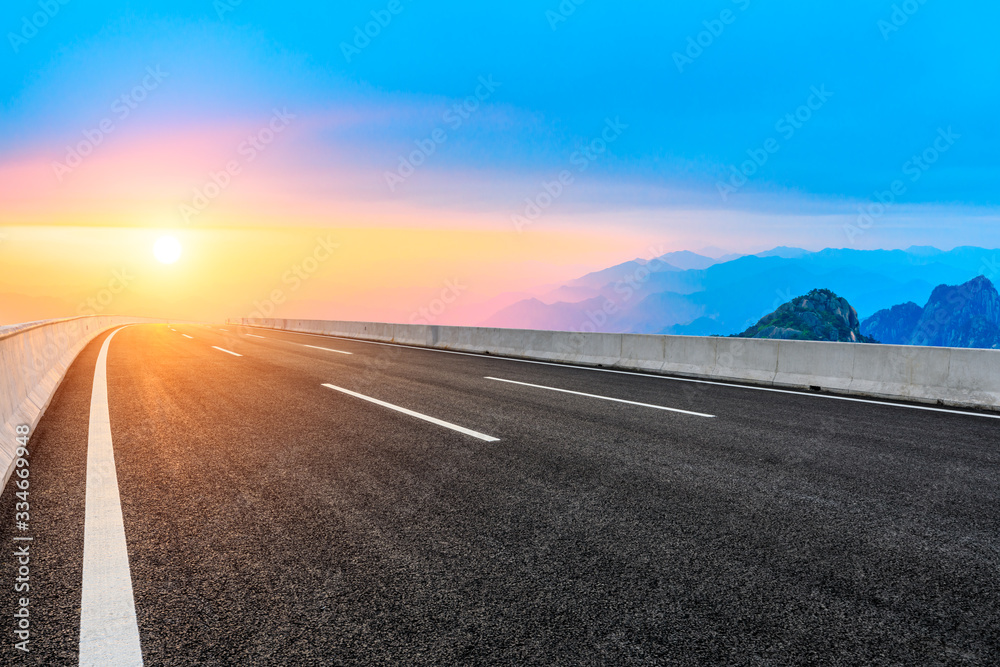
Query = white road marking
x=433 y=420
x=605 y=398
x=328 y=349
x=109 y=634
x=222 y=349
x=671 y=378
x=186 y=336
x=221 y=329
x=254 y=335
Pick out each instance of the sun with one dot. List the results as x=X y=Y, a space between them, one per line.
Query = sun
x=167 y=249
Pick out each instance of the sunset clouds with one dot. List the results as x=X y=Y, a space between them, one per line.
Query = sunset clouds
x=570 y=143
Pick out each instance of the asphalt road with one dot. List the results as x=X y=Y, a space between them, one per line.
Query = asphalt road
x=272 y=520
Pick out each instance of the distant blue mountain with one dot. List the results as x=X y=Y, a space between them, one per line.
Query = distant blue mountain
x=965 y=315
x=726 y=297
x=683 y=260
x=687 y=260
x=784 y=252
x=894 y=326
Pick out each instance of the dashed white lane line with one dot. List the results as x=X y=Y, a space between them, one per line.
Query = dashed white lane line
x=186 y=336
x=222 y=349
x=328 y=349
x=254 y=336
x=426 y=418
x=109 y=634
x=603 y=398
x=221 y=329
x=668 y=378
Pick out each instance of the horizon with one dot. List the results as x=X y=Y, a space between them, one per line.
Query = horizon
x=989 y=268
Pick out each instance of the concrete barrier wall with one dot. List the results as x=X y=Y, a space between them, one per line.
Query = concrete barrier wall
x=948 y=376
x=34 y=359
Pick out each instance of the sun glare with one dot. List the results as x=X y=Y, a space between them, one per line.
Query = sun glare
x=167 y=249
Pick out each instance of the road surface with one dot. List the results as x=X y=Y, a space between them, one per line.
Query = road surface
x=289 y=499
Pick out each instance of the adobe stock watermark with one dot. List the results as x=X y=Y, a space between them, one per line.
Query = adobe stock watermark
x=990 y=268
x=33 y=23
x=295 y=277
x=787 y=126
x=697 y=44
x=626 y=287
x=121 y=109
x=454 y=117
x=70 y=331
x=913 y=169
x=452 y=292
x=929 y=328
x=223 y=7
x=104 y=297
x=782 y=296
x=552 y=190
x=247 y=152
x=899 y=17
x=372 y=366
x=363 y=35
x=22 y=547
x=562 y=12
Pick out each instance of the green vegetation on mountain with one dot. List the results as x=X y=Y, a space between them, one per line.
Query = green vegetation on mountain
x=818 y=315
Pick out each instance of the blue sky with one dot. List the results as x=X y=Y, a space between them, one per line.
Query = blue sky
x=893 y=84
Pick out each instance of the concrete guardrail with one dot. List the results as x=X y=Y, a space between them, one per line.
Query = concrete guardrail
x=944 y=376
x=34 y=358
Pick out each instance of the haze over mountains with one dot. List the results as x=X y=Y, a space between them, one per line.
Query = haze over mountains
x=688 y=293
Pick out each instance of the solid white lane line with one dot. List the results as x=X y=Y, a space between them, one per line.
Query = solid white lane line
x=186 y=336
x=328 y=349
x=109 y=634
x=604 y=398
x=222 y=349
x=426 y=418
x=671 y=378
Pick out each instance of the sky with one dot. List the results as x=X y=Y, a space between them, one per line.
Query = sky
x=356 y=160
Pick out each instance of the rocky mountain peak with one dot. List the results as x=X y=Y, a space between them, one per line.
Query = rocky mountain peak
x=966 y=315
x=818 y=315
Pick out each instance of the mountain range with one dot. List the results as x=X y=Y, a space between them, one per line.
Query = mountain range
x=688 y=293
x=966 y=315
